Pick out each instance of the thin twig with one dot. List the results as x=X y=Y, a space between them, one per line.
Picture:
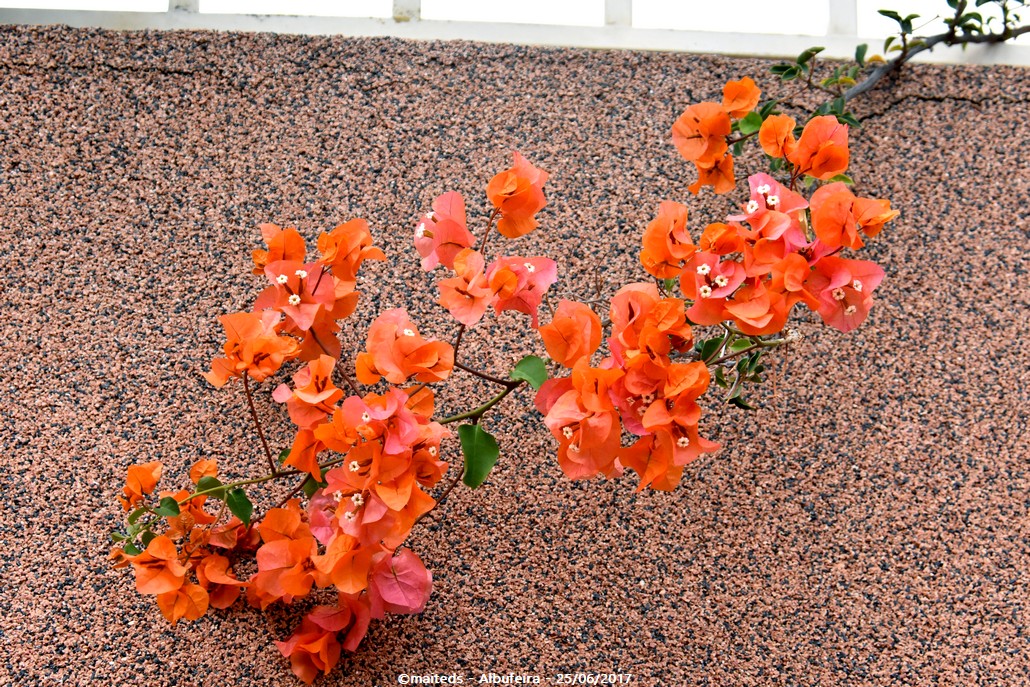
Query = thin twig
x=257 y=422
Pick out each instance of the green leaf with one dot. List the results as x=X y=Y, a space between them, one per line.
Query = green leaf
x=211 y=485
x=890 y=14
x=738 y=147
x=768 y=109
x=751 y=123
x=131 y=550
x=118 y=536
x=531 y=369
x=136 y=515
x=740 y=403
x=775 y=164
x=843 y=178
x=809 y=54
x=481 y=452
x=849 y=119
x=720 y=377
x=888 y=43
x=283 y=455
x=240 y=505
x=779 y=69
x=147 y=537
x=168 y=507
x=710 y=348
x=739 y=345
x=837 y=107
x=670 y=284
x=860 y=52
x=310 y=486
x=791 y=73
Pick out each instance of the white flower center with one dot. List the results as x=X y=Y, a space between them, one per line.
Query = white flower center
x=683 y=442
x=529 y=267
x=567 y=431
x=349 y=515
x=433 y=450
x=358 y=500
x=354 y=466
x=408 y=332
x=772 y=200
x=421 y=231
x=294 y=299
x=365 y=417
x=303 y=274
x=704 y=269
x=850 y=310
x=646 y=399
x=705 y=291
x=763 y=189
x=282 y=279
x=574 y=448
x=752 y=206
x=856 y=285
x=338 y=496
x=838 y=294
x=721 y=280
x=431 y=215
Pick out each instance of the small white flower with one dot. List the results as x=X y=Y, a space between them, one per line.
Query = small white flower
x=772 y=200
x=421 y=230
x=529 y=267
x=431 y=215
x=574 y=448
x=338 y=496
x=365 y=417
x=721 y=280
x=294 y=299
x=354 y=466
x=358 y=500
x=646 y=399
x=705 y=291
x=282 y=279
x=703 y=269
x=567 y=431
x=838 y=294
x=303 y=274
x=683 y=442
x=763 y=189
x=752 y=206
x=850 y=310
x=349 y=515
x=856 y=285
x=408 y=332
x=433 y=450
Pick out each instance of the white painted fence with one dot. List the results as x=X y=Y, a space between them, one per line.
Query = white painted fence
x=732 y=27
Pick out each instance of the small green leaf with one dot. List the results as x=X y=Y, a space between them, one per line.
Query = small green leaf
x=738 y=147
x=211 y=486
x=740 y=403
x=670 y=284
x=890 y=14
x=136 y=515
x=843 y=178
x=809 y=54
x=791 y=74
x=888 y=43
x=751 y=123
x=310 y=486
x=118 y=536
x=481 y=452
x=720 y=377
x=531 y=369
x=710 y=348
x=775 y=164
x=168 y=507
x=147 y=537
x=849 y=119
x=240 y=505
x=860 y=52
x=838 y=105
x=740 y=345
x=283 y=455
x=767 y=109
x=131 y=550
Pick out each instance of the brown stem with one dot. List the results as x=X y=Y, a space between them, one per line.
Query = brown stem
x=486 y=236
x=483 y=375
x=446 y=491
x=257 y=423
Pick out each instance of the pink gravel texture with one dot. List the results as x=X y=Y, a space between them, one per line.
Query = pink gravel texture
x=867 y=525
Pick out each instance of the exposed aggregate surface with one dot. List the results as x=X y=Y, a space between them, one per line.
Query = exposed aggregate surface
x=868 y=525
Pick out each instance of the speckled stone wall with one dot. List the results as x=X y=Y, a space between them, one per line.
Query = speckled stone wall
x=868 y=525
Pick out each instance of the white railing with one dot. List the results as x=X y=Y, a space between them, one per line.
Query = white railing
x=406 y=20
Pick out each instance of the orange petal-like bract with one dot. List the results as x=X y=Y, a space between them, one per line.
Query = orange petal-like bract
x=518 y=194
x=573 y=334
x=699 y=134
x=158 y=570
x=740 y=97
x=253 y=348
x=283 y=244
x=666 y=241
x=189 y=602
x=139 y=480
x=777 y=135
x=443 y=233
x=822 y=150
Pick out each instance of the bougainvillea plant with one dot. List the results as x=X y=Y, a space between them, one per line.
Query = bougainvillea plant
x=621 y=390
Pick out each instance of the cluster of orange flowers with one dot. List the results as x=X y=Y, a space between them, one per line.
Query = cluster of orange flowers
x=370 y=459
